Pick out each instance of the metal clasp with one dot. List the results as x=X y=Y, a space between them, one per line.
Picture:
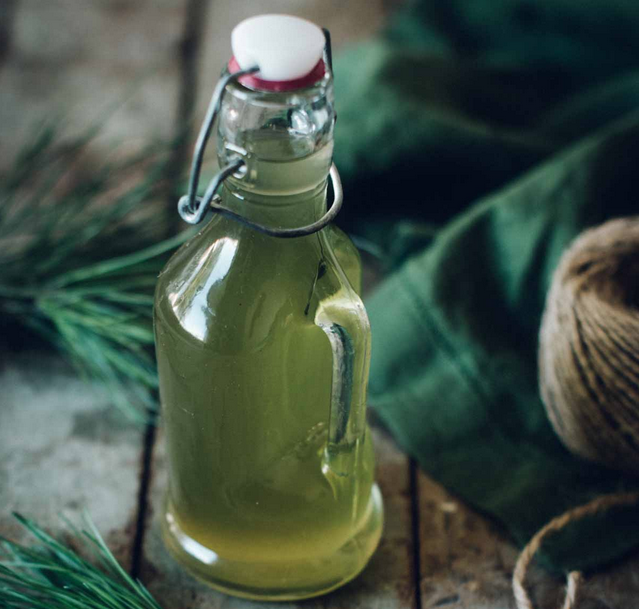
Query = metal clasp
x=192 y=208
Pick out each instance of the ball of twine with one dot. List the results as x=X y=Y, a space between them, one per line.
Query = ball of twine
x=589 y=346
x=589 y=370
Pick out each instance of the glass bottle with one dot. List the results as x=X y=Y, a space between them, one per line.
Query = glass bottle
x=263 y=349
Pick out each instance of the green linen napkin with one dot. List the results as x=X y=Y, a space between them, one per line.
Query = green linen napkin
x=512 y=144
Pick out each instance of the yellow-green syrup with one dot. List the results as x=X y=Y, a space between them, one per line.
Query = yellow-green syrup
x=254 y=506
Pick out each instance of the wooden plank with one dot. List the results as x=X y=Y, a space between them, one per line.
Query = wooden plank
x=7 y=8
x=347 y=21
x=75 y=63
x=615 y=587
x=387 y=582
x=466 y=562
x=62 y=449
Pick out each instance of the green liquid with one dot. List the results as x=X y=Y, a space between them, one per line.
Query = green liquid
x=254 y=507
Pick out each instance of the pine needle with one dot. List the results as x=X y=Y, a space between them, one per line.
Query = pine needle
x=50 y=575
x=80 y=251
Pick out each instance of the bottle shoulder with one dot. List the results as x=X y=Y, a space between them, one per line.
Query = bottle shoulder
x=228 y=285
x=347 y=256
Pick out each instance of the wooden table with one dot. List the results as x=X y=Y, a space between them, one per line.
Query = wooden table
x=62 y=448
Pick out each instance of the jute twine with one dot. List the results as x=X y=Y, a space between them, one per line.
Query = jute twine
x=574 y=578
x=589 y=369
x=589 y=346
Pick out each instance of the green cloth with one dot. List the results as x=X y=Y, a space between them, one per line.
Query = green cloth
x=476 y=139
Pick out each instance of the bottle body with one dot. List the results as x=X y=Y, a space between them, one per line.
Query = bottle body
x=254 y=505
x=263 y=348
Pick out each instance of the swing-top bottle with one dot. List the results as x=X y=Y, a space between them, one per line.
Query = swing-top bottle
x=263 y=346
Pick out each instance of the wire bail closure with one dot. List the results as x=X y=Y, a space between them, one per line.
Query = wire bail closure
x=192 y=208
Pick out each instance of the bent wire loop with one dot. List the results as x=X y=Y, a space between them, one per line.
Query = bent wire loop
x=192 y=208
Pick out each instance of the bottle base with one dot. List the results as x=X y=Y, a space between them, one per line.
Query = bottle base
x=282 y=580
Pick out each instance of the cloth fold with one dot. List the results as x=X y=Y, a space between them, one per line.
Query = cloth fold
x=435 y=132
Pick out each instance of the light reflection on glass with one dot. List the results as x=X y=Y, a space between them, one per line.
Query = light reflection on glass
x=192 y=547
x=193 y=310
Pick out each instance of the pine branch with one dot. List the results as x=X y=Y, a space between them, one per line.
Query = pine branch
x=50 y=575
x=80 y=252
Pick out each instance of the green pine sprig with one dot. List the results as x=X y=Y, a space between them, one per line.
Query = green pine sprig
x=80 y=252
x=50 y=575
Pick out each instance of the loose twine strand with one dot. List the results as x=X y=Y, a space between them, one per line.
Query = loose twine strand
x=589 y=369
x=575 y=578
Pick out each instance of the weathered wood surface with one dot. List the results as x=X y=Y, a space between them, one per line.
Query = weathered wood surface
x=387 y=582
x=62 y=450
x=76 y=63
x=466 y=562
x=146 y=64
x=347 y=22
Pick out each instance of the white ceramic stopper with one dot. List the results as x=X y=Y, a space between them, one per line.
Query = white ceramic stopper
x=282 y=46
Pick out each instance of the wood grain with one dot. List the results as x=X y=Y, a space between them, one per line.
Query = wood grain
x=61 y=446
x=347 y=21
x=466 y=562
x=113 y=62
x=387 y=582
x=63 y=449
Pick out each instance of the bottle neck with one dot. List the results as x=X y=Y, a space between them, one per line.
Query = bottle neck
x=285 y=140
x=276 y=210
